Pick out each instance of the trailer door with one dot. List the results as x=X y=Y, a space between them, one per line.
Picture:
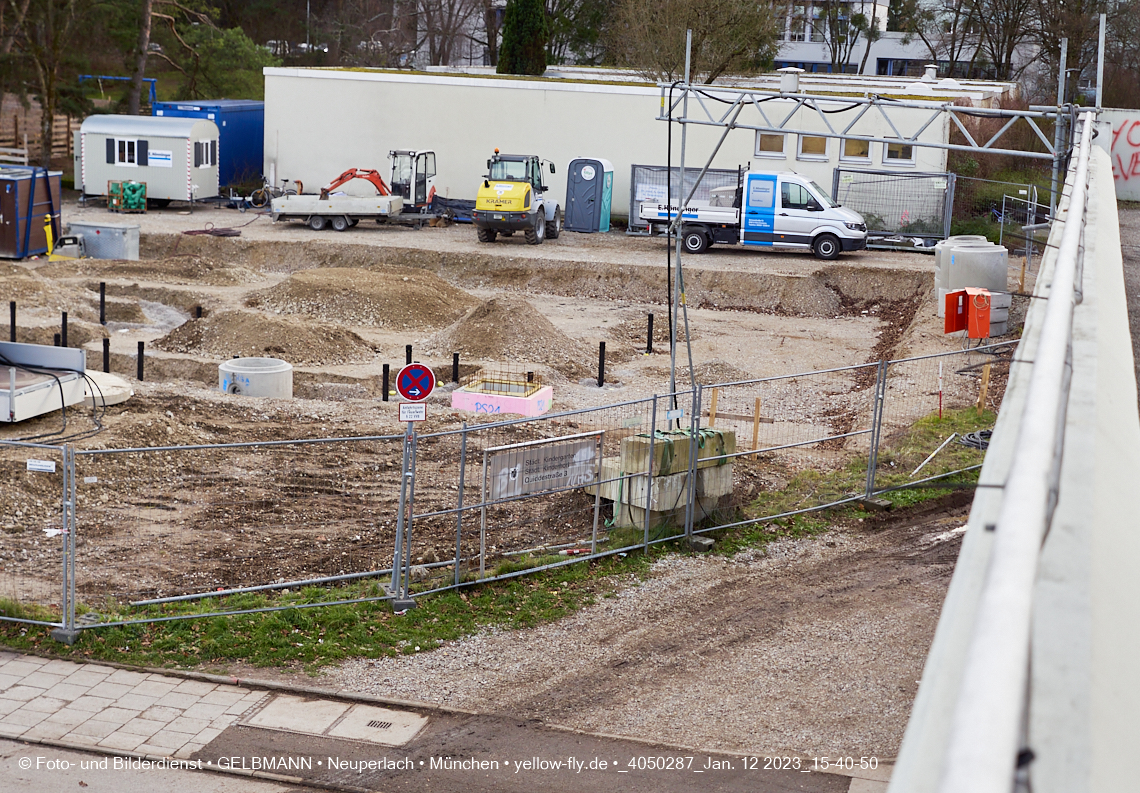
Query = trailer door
x=759 y=209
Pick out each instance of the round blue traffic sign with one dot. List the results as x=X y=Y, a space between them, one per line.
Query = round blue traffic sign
x=415 y=382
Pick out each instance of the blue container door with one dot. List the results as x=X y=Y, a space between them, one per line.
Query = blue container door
x=583 y=196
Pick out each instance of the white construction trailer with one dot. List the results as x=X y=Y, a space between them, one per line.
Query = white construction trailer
x=176 y=157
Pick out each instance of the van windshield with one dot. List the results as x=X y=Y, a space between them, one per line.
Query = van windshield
x=822 y=196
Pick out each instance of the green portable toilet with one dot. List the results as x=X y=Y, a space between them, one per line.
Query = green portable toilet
x=589 y=193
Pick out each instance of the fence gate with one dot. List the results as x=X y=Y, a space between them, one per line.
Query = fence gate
x=898 y=204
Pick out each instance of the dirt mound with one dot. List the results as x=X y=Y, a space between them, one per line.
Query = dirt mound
x=230 y=333
x=400 y=298
x=183 y=269
x=711 y=372
x=510 y=329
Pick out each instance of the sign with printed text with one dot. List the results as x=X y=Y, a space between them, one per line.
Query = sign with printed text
x=415 y=382
x=413 y=411
x=159 y=158
x=532 y=468
x=47 y=466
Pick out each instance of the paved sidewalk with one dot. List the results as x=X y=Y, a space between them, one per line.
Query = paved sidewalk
x=305 y=737
x=107 y=708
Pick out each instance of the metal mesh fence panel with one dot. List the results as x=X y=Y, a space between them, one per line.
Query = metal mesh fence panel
x=505 y=524
x=653 y=182
x=32 y=551
x=787 y=441
x=928 y=399
x=979 y=202
x=894 y=203
x=169 y=522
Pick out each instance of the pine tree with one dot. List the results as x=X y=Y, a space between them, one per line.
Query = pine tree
x=523 y=50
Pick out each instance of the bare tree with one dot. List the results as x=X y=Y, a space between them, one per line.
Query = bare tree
x=872 y=34
x=839 y=29
x=949 y=32
x=443 y=25
x=1003 y=26
x=134 y=97
x=729 y=36
x=1075 y=20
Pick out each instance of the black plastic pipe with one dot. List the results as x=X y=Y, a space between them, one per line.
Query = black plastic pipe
x=142 y=350
x=55 y=340
x=106 y=356
x=407 y=354
x=386 y=372
x=455 y=367
x=601 y=363
x=12 y=320
x=63 y=330
x=649 y=337
x=102 y=303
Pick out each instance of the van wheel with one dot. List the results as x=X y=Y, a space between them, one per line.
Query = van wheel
x=554 y=228
x=318 y=223
x=695 y=241
x=826 y=246
x=537 y=233
x=486 y=235
x=341 y=223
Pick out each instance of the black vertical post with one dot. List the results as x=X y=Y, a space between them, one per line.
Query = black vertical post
x=455 y=367
x=106 y=356
x=12 y=320
x=63 y=330
x=141 y=351
x=407 y=354
x=530 y=377
x=601 y=363
x=197 y=312
x=102 y=303
x=649 y=337
x=55 y=340
x=386 y=371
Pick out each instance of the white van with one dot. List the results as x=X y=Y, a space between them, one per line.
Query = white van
x=767 y=209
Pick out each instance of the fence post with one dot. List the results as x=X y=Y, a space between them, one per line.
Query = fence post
x=876 y=428
x=398 y=556
x=66 y=633
x=459 y=505
x=694 y=434
x=408 y=602
x=649 y=467
x=948 y=209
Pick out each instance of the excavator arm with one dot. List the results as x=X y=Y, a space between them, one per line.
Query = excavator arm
x=357 y=173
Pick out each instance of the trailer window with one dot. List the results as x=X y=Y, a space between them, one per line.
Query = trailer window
x=898 y=154
x=205 y=153
x=769 y=145
x=126 y=152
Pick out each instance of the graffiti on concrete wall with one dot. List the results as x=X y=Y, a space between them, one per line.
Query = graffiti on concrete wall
x=1125 y=152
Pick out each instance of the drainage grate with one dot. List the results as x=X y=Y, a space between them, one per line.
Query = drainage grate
x=380 y=725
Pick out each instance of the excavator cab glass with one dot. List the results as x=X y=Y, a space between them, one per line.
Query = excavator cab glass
x=402 y=175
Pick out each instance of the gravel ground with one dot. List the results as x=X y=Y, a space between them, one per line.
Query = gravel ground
x=811 y=646
x=1130 y=248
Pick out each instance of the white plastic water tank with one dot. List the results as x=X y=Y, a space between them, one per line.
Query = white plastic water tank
x=262 y=377
x=951 y=273
x=939 y=272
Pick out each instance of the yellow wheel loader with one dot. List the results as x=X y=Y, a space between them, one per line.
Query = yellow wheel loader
x=513 y=198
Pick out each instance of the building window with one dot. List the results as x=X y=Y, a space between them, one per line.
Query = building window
x=796 y=23
x=126 y=151
x=769 y=145
x=898 y=154
x=856 y=150
x=205 y=153
x=813 y=147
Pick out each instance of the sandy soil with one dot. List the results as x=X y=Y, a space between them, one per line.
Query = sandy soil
x=340 y=306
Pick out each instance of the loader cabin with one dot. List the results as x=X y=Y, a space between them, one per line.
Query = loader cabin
x=177 y=158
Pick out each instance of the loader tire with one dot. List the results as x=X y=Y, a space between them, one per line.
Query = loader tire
x=537 y=233
x=487 y=235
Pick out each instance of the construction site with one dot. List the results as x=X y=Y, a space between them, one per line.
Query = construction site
x=783 y=399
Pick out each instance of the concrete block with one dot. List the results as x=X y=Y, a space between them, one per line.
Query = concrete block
x=672 y=449
x=701 y=544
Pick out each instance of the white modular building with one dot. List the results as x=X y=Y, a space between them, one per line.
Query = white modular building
x=176 y=157
x=465 y=114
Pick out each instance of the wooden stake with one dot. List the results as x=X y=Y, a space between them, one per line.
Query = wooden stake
x=756 y=425
x=985 y=388
x=1021 y=280
x=712 y=407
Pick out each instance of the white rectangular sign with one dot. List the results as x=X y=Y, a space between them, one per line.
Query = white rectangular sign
x=42 y=465
x=533 y=468
x=413 y=411
x=157 y=158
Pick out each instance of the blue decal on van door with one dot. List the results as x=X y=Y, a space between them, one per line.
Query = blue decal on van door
x=759 y=209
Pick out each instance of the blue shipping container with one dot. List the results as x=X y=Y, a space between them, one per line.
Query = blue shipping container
x=241 y=143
